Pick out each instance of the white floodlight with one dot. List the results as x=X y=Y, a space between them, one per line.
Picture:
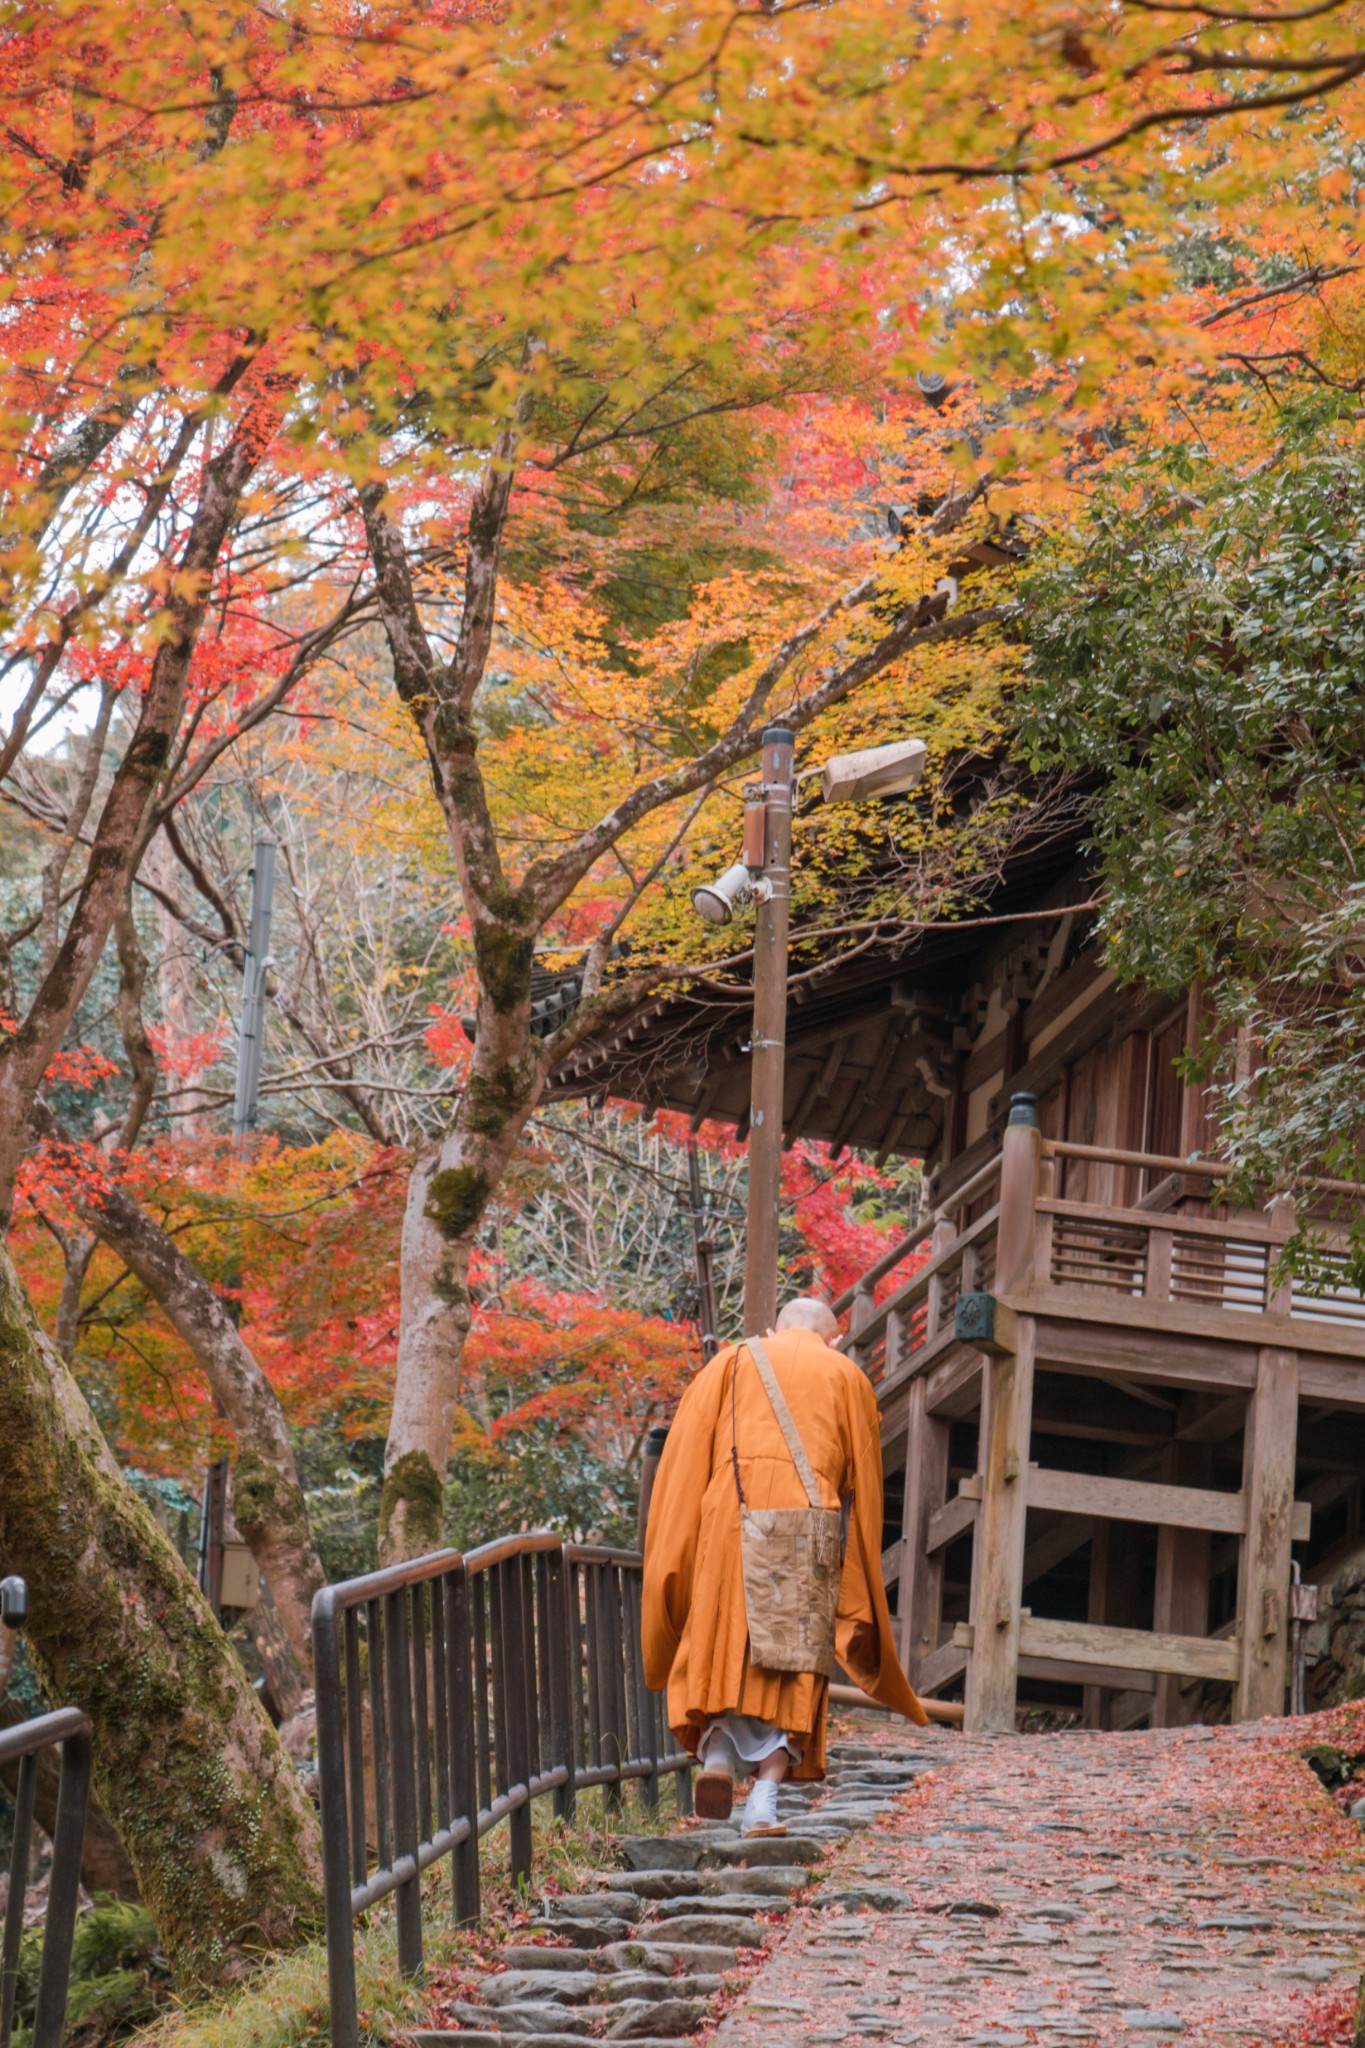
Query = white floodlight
x=718 y=901
x=876 y=771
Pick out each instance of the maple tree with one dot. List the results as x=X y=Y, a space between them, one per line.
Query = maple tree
x=432 y=321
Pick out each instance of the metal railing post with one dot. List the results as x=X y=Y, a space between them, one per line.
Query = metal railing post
x=398 y=1698
x=464 y=1777
x=63 y=1897
x=21 y=1843
x=336 y=1874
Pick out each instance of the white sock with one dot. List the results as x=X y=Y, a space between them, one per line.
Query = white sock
x=760 y=1808
x=719 y=1752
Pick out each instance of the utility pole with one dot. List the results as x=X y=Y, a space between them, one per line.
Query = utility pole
x=251 y=1038
x=707 y=1314
x=763 y=877
x=772 y=893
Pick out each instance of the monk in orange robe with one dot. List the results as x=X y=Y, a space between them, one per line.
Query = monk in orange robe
x=721 y=1706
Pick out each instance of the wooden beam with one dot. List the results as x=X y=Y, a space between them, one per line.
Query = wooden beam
x=998 y=1552
x=1057 y=1671
x=943 y=1666
x=920 y=1604
x=1235 y=1329
x=1129 y=1649
x=1184 y=1562
x=1100 y=1341
x=946 y=1524
x=1145 y=1500
x=1263 y=1576
x=953 y=1387
x=1212 y=1420
x=1112 y=1601
x=1067 y=1535
x=1133 y=1706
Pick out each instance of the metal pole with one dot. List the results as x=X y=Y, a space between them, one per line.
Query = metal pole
x=707 y=1314
x=336 y=1879
x=768 y=1065
x=249 y=1043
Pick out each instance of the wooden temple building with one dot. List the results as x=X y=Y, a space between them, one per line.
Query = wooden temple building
x=1115 y=1437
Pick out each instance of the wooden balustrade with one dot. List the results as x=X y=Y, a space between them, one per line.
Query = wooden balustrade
x=1224 y=1262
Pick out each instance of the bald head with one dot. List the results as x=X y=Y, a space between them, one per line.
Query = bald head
x=806 y=1313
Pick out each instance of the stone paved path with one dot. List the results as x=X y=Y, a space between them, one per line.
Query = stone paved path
x=1081 y=1888
x=974 y=1891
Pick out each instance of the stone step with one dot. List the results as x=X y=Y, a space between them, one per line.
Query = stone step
x=653 y=1884
x=764 y=1851
x=585 y=1934
x=533 y=1987
x=631 y=1986
x=540 y=1956
x=475 y=2037
x=671 y=2019
x=772 y=1881
x=526 y=2020
x=709 y=1928
x=621 y=1905
x=663 y=1958
x=664 y=1852
x=483 y=2038
x=726 y=1905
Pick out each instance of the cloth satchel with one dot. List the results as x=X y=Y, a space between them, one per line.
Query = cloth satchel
x=792 y=1557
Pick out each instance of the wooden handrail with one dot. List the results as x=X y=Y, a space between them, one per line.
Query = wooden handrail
x=1233 y=1226
x=1164 y=1162
x=887 y=1263
x=918 y=1283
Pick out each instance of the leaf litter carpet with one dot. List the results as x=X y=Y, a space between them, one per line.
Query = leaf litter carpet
x=968 y=1892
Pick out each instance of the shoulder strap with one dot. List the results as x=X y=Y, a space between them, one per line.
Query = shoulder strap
x=756 y=1350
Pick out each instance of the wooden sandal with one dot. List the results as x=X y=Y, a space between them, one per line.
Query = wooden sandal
x=713 y=1794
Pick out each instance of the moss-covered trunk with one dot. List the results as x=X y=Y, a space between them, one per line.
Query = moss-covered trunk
x=217 y=1826
x=448 y=1195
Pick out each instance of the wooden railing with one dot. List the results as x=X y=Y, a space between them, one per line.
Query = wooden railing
x=1227 y=1260
x=890 y=1339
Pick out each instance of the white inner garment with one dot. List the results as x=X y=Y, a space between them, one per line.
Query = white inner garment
x=753 y=1739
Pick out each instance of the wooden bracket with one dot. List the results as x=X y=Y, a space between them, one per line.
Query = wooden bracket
x=985 y=1322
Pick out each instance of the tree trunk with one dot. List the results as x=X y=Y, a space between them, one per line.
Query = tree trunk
x=217 y=1826
x=77 y=1250
x=267 y=1498
x=448 y=1196
x=285 y=1685
x=105 y=1869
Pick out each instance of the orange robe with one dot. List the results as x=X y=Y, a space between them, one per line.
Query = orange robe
x=696 y=1632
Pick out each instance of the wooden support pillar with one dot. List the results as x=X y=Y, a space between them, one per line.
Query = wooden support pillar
x=1113 y=1602
x=920 y=1603
x=1263 y=1577
x=998 y=1545
x=1181 y=1607
x=1006 y=1424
